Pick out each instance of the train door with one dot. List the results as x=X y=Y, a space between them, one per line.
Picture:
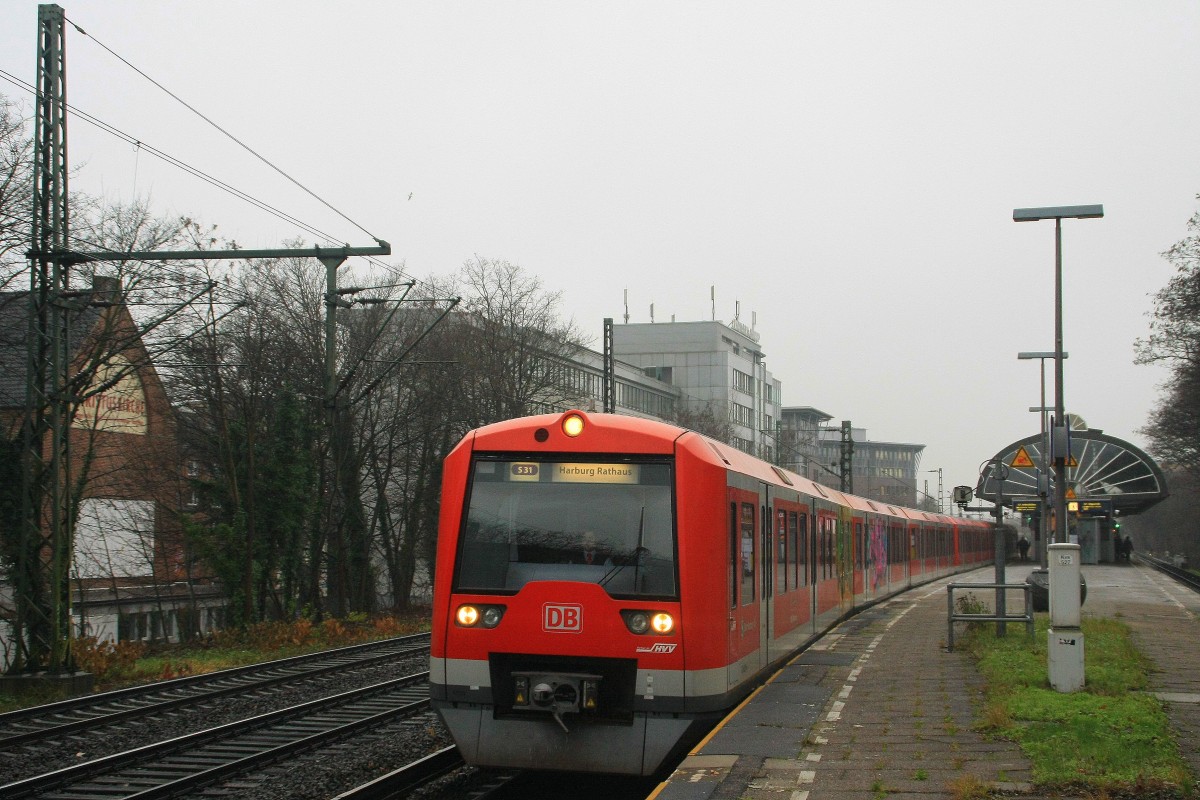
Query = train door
x=814 y=565
x=829 y=579
x=845 y=557
x=859 y=566
x=873 y=560
x=915 y=554
x=745 y=614
x=792 y=595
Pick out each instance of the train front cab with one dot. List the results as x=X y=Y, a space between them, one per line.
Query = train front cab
x=570 y=672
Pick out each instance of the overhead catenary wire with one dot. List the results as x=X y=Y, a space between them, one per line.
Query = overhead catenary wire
x=194 y=171
x=231 y=137
x=204 y=176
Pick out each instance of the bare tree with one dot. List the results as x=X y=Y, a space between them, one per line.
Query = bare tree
x=518 y=342
x=705 y=420
x=1174 y=427
x=16 y=191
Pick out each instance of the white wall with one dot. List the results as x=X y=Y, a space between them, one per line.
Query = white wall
x=114 y=538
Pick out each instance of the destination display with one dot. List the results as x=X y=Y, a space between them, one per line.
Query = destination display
x=572 y=472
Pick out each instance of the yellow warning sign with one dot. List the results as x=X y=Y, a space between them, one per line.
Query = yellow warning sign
x=1070 y=493
x=1022 y=460
x=1071 y=462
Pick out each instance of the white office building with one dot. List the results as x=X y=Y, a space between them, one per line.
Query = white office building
x=717 y=367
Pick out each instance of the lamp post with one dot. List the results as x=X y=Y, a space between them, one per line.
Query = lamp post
x=1064 y=636
x=1042 y=355
x=1059 y=441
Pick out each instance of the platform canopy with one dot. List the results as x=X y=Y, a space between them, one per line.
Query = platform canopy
x=1101 y=468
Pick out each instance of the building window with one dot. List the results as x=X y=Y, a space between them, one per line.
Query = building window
x=663 y=374
x=741 y=415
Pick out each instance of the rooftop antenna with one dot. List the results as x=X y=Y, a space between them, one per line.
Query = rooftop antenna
x=737 y=309
x=626 y=306
x=652 y=313
x=712 y=296
x=753 y=320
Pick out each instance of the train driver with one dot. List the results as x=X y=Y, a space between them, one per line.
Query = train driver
x=589 y=553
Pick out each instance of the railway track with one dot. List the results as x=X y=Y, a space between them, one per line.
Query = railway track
x=187 y=763
x=1186 y=577
x=403 y=781
x=78 y=715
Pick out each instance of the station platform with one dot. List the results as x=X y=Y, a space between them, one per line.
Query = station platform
x=879 y=708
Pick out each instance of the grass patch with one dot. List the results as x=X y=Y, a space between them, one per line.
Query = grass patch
x=1110 y=737
x=117 y=665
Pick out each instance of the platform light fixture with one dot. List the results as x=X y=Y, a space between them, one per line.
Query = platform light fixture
x=1042 y=355
x=1058 y=214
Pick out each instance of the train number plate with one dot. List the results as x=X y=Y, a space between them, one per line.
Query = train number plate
x=562 y=618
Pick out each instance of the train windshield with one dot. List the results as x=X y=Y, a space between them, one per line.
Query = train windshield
x=607 y=523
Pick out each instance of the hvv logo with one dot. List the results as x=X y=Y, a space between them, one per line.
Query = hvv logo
x=558 y=618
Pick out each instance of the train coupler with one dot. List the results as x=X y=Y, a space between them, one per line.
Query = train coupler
x=556 y=693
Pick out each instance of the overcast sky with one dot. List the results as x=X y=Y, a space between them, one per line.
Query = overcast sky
x=847 y=171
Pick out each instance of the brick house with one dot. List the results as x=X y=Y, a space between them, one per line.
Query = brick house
x=129 y=575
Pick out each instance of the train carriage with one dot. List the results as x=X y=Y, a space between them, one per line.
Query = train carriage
x=607 y=587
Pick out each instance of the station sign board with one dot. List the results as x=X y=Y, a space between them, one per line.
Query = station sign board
x=1027 y=506
x=1095 y=506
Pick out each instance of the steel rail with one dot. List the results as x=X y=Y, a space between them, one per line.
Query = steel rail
x=69 y=716
x=1186 y=577
x=412 y=776
x=197 y=759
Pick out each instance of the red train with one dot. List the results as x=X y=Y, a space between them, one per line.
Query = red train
x=607 y=587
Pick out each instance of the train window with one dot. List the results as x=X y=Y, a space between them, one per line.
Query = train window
x=733 y=555
x=828 y=537
x=802 y=551
x=606 y=523
x=859 y=544
x=821 y=537
x=747 y=553
x=782 y=553
x=767 y=549
x=793 y=577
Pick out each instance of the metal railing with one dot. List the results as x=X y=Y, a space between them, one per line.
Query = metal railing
x=953 y=617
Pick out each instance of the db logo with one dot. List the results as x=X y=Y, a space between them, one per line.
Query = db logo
x=562 y=618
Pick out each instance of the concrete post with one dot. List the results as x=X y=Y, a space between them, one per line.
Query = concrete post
x=1065 y=637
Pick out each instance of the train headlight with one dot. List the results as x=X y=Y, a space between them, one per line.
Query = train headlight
x=572 y=425
x=467 y=616
x=470 y=616
x=643 y=622
x=637 y=621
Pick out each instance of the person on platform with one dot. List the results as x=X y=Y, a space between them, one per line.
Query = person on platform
x=1127 y=547
x=1023 y=546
